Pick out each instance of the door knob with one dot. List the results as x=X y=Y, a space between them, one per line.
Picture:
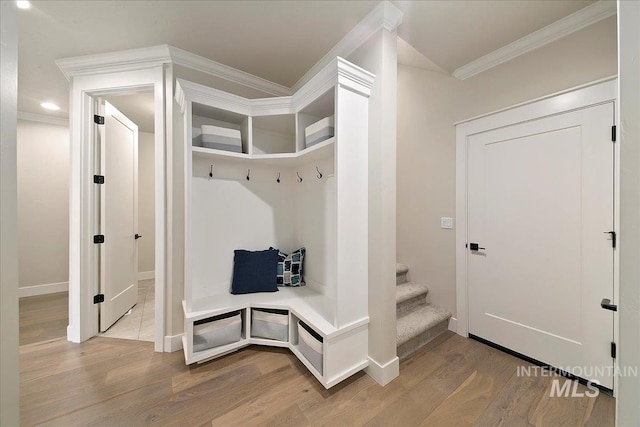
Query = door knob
x=475 y=247
x=137 y=236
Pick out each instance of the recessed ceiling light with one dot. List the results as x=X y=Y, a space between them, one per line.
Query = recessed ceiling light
x=50 y=106
x=23 y=4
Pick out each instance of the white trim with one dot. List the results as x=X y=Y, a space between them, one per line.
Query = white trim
x=111 y=62
x=563 y=27
x=146 y=275
x=49 y=288
x=383 y=374
x=384 y=16
x=542 y=98
x=216 y=69
x=42 y=118
x=137 y=59
x=453 y=324
x=172 y=343
x=588 y=95
x=83 y=284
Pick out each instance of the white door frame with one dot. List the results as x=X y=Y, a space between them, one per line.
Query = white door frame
x=581 y=97
x=83 y=255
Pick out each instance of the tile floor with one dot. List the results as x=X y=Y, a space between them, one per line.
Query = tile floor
x=139 y=324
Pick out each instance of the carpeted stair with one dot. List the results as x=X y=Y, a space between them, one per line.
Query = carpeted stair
x=417 y=322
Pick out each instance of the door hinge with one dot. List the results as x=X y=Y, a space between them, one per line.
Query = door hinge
x=98 y=238
x=613 y=133
x=99 y=120
x=98 y=179
x=614 y=238
x=97 y=299
x=613 y=350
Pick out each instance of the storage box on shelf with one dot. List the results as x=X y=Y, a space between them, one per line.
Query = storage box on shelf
x=284 y=192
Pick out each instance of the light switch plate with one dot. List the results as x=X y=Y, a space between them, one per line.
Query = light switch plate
x=446 y=222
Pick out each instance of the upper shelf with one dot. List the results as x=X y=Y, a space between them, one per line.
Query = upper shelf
x=316 y=152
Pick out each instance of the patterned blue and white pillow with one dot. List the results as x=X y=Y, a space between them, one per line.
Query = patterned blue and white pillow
x=289 y=271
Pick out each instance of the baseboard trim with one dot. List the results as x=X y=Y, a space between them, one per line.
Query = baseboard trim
x=172 y=343
x=383 y=374
x=453 y=325
x=146 y=275
x=49 y=288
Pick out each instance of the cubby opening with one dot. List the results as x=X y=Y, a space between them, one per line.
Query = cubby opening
x=274 y=134
x=219 y=129
x=320 y=115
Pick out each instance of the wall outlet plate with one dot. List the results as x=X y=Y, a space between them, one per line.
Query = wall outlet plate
x=446 y=222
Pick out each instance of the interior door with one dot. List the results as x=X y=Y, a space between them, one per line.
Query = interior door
x=118 y=216
x=540 y=209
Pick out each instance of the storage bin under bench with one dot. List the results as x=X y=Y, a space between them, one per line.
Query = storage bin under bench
x=270 y=324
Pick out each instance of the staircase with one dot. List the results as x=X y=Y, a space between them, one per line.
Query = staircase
x=417 y=322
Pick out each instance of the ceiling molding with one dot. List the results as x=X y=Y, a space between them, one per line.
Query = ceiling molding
x=124 y=60
x=216 y=69
x=384 y=16
x=42 y=118
x=591 y=14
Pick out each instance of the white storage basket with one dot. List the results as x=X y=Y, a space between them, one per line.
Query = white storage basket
x=219 y=138
x=319 y=131
x=272 y=324
x=310 y=345
x=217 y=331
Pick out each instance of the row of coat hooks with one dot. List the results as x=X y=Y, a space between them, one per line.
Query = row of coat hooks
x=248 y=177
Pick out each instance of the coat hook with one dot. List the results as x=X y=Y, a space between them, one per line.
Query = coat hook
x=248 y=174
x=211 y=172
x=299 y=177
x=278 y=180
x=319 y=175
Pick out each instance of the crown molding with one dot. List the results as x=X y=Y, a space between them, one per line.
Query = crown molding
x=338 y=71
x=124 y=60
x=42 y=118
x=591 y=14
x=385 y=16
x=216 y=69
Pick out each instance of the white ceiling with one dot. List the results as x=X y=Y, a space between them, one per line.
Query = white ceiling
x=453 y=33
x=275 y=40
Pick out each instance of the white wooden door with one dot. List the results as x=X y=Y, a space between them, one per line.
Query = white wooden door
x=540 y=205
x=118 y=216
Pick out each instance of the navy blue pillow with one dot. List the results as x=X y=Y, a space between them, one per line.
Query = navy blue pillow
x=254 y=271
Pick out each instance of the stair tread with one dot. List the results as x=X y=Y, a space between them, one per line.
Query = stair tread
x=418 y=321
x=409 y=290
x=401 y=269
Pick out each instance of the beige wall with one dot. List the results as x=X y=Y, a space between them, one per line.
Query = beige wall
x=146 y=201
x=43 y=203
x=429 y=103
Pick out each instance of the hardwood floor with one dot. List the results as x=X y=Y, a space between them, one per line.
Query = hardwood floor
x=452 y=382
x=43 y=317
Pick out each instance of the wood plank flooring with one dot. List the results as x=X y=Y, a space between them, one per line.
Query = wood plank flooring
x=452 y=382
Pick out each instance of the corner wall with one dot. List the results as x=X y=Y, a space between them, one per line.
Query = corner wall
x=429 y=103
x=379 y=56
x=9 y=367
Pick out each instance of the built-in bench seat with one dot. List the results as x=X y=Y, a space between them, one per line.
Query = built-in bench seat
x=302 y=304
